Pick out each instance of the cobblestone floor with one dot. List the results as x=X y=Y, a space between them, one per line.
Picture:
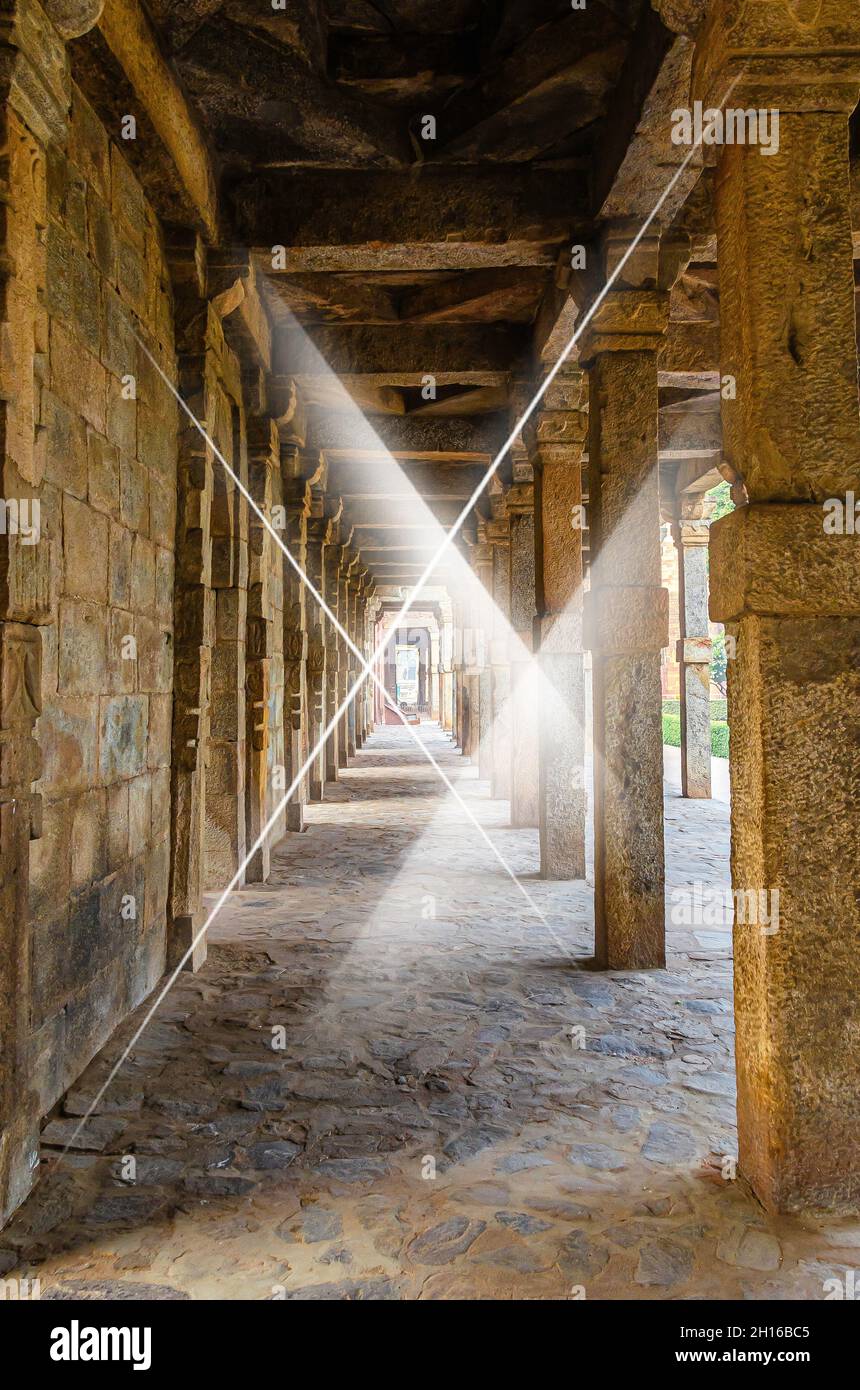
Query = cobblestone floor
x=578 y=1124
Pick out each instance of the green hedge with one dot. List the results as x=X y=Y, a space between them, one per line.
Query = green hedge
x=672 y=733
x=672 y=730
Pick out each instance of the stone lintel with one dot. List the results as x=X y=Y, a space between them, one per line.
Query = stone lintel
x=622 y=619
x=775 y=559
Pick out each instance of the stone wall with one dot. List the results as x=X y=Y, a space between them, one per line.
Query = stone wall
x=107 y=427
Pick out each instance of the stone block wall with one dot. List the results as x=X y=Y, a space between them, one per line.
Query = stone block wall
x=107 y=426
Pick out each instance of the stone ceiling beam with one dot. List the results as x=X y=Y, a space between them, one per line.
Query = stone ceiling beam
x=401 y=356
x=689 y=348
x=439 y=219
x=268 y=105
x=636 y=160
x=434 y=482
x=508 y=293
x=120 y=67
x=685 y=434
x=408 y=436
x=553 y=83
x=385 y=515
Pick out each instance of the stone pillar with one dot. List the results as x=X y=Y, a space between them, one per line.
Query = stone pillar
x=344 y=673
x=435 y=677
x=299 y=469
x=627 y=615
x=559 y=431
x=360 y=639
x=499 y=536
x=482 y=559
x=332 y=641
x=372 y=693
x=317 y=531
x=226 y=835
x=354 y=713
x=524 y=684
x=690 y=533
x=447 y=675
x=470 y=717
x=263 y=460
x=194 y=622
x=460 y=696
x=785 y=578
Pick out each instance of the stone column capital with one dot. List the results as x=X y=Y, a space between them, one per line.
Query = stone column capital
x=333 y=511
x=626 y=320
x=692 y=533
x=791 y=55
x=317 y=528
x=499 y=532
x=692 y=524
x=520 y=499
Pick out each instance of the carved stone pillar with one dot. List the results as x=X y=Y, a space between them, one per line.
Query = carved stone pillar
x=317 y=531
x=344 y=678
x=435 y=677
x=786 y=581
x=627 y=613
x=299 y=469
x=482 y=558
x=690 y=534
x=457 y=672
x=263 y=453
x=358 y=636
x=471 y=662
x=524 y=684
x=499 y=537
x=354 y=667
x=372 y=694
x=559 y=431
x=226 y=833
x=334 y=680
x=194 y=628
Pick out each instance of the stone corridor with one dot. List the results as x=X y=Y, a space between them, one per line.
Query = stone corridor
x=448 y=1110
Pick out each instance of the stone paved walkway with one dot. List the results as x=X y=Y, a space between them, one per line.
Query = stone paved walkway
x=458 y=1110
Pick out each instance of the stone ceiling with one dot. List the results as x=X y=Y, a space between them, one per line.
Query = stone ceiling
x=404 y=257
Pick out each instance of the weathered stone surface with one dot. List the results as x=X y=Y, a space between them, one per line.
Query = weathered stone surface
x=519 y=1216
x=664 y=1264
x=445 y=1242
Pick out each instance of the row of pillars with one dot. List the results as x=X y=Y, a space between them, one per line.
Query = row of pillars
x=333 y=668
x=787 y=588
